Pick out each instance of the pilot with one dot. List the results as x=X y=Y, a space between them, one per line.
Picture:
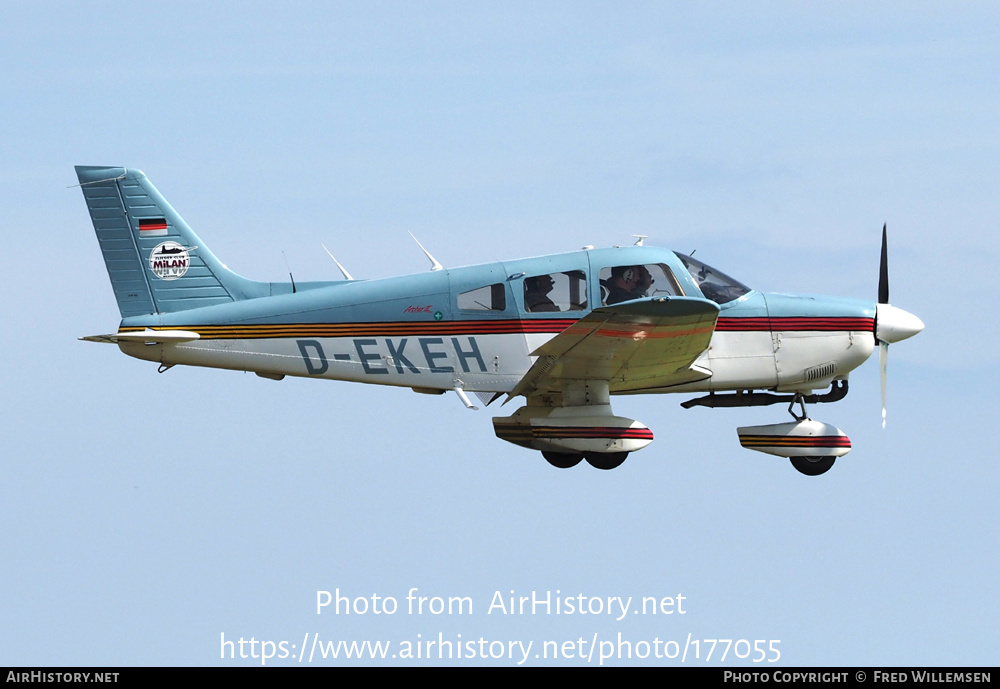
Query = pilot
x=643 y=283
x=536 y=292
x=622 y=284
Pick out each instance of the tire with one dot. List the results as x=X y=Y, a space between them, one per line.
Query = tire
x=562 y=460
x=605 y=460
x=812 y=466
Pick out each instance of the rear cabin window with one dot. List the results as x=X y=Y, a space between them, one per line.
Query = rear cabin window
x=624 y=283
x=553 y=292
x=488 y=298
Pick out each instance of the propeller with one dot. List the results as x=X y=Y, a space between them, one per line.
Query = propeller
x=891 y=324
x=883 y=298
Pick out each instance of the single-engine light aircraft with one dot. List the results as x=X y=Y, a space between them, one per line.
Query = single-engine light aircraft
x=565 y=332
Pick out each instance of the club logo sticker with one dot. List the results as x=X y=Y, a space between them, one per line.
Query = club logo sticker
x=170 y=260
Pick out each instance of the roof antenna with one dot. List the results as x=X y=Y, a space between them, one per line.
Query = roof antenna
x=289 y=271
x=347 y=276
x=640 y=239
x=434 y=263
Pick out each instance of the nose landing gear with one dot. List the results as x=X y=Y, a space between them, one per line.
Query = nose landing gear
x=812 y=446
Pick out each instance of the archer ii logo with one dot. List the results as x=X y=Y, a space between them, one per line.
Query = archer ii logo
x=170 y=260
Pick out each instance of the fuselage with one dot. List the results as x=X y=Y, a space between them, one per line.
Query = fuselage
x=476 y=327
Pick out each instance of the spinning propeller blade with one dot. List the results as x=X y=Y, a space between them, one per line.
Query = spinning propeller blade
x=883 y=362
x=891 y=324
x=883 y=298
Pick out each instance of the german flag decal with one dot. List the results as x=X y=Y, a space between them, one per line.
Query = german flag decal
x=152 y=227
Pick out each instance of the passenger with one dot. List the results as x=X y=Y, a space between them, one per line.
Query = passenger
x=536 y=292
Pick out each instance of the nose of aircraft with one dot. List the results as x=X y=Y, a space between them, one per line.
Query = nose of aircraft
x=893 y=324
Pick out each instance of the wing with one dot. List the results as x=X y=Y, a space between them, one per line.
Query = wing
x=637 y=345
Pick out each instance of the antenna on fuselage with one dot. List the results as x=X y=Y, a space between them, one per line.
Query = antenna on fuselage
x=347 y=276
x=434 y=262
x=289 y=271
x=640 y=239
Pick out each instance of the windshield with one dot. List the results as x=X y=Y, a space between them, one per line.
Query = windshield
x=715 y=285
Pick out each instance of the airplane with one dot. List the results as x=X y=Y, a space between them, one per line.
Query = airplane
x=565 y=332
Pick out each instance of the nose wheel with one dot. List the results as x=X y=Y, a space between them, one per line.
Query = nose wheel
x=812 y=466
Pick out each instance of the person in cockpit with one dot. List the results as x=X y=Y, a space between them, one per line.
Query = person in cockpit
x=627 y=283
x=536 y=291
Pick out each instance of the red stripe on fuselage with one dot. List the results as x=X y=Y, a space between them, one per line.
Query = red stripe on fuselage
x=396 y=329
x=795 y=324
x=504 y=327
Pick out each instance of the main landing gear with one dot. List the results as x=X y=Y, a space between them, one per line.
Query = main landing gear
x=569 y=434
x=598 y=460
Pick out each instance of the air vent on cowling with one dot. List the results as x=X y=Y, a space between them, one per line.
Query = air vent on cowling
x=819 y=372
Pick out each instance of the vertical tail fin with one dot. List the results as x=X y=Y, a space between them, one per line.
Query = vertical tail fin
x=156 y=263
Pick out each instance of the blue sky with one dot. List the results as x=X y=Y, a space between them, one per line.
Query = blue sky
x=147 y=514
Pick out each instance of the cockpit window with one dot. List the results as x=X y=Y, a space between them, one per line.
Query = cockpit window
x=714 y=284
x=623 y=283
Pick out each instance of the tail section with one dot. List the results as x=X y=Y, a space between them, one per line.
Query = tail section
x=156 y=263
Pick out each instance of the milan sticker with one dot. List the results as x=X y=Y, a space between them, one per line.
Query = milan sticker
x=170 y=260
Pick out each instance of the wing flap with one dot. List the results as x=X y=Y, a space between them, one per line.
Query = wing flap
x=635 y=345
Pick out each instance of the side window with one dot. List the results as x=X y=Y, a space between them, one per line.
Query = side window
x=556 y=292
x=488 y=298
x=623 y=283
